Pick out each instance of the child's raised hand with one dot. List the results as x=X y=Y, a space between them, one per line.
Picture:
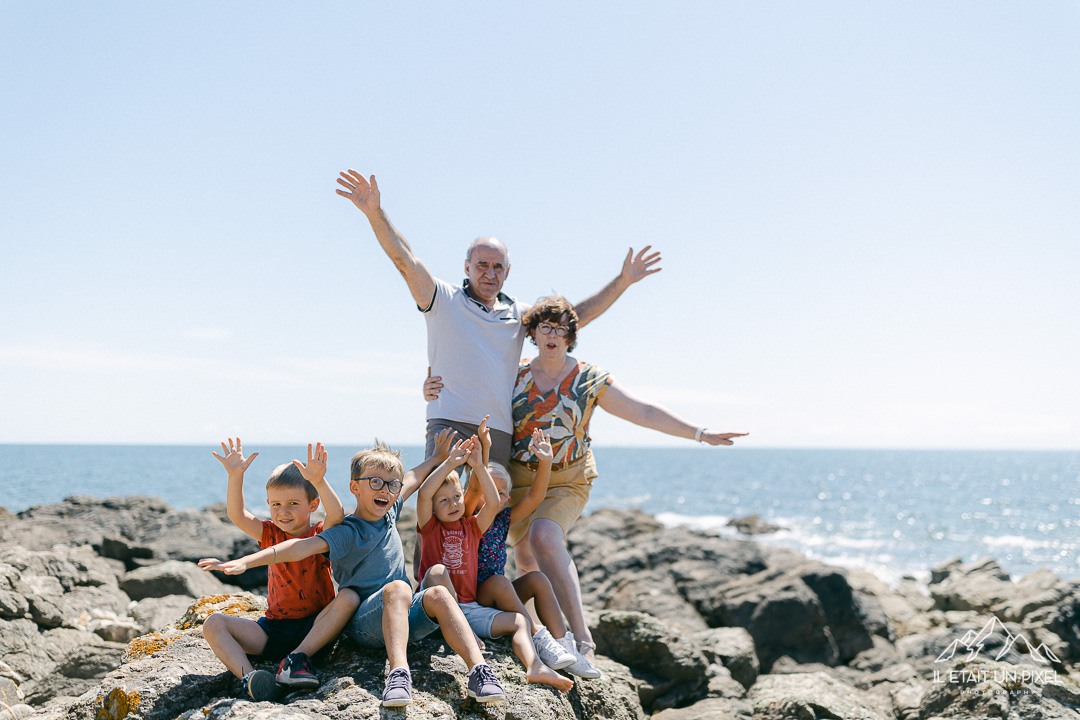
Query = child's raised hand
x=234 y=461
x=540 y=446
x=229 y=567
x=484 y=434
x=315 y=470
x=460 y=451
x=443 y=441
x=476 y=453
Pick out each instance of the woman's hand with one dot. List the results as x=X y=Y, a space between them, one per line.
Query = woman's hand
x=540 y=446
x=716 y=438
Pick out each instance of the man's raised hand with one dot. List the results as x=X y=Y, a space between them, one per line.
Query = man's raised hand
x=363 y=192
x=637 y=267
x=234 y=461
x=315 y=470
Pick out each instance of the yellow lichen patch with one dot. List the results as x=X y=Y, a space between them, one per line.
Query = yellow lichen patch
x=145 y=645
x=117 y=705
x=237 y=604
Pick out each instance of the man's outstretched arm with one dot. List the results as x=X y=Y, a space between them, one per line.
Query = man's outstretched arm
x=635 y=267
x=364 y=194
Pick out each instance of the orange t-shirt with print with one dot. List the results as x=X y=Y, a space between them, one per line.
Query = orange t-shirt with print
x=297 y=589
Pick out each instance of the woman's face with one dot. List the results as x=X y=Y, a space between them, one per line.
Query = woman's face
x=547 y=336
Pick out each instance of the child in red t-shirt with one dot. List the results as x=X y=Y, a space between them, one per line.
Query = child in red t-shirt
x=449 y=541
x=301 y=594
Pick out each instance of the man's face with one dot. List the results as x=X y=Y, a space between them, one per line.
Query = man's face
x=290 y=509
x=373 y=504
x=487 y=270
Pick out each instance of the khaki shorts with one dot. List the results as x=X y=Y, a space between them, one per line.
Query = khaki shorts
x=567 y=493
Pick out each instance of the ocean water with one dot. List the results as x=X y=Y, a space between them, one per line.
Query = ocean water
x=895 y=512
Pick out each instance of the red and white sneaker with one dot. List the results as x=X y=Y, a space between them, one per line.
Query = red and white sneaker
x=296 y=673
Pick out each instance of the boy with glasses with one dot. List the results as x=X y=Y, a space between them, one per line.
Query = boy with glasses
x=366 y=556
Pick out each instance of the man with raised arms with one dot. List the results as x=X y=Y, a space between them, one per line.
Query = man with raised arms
x=474 y=330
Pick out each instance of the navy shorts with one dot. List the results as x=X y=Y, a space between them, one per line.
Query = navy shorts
x=282 y=636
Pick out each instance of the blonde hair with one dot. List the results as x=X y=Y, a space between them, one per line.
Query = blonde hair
x=497 y=469
x=380 y=457
x=289 y=476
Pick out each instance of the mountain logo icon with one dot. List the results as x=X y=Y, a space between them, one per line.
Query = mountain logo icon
x=973 y=643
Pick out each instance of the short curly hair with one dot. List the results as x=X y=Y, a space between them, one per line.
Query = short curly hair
x=551 y=310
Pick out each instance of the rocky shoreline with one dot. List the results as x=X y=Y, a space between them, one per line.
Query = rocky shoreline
x=101 y=603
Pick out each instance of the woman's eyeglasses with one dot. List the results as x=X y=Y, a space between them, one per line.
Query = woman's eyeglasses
x=547 y=328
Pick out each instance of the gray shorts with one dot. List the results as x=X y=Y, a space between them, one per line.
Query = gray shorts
x=500 y=441
x=479 y=617
x=366 y=624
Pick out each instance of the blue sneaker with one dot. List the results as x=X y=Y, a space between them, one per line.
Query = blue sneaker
x=484 y=687
x=397 y=692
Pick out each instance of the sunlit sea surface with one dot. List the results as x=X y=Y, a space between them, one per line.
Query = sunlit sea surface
x=894 y=512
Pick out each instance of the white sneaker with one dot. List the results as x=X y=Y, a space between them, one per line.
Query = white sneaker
x=551 y=653
x=581 y=667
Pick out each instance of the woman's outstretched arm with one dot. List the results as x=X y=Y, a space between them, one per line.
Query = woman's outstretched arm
x=622 y=404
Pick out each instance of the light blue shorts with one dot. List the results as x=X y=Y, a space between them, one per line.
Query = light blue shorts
x=366 y=624
x=479 y=617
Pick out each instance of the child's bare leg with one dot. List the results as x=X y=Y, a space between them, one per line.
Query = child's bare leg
x=231 y=639
x=498 y=592
x=330 y=622
x=544 y=551
x=536 y=587
x=506 y=623
x=397 y=598
x=442 y=606
x=437 y=576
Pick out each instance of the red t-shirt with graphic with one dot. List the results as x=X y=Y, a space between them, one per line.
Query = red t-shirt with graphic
x=297 y=589
x=454 y=545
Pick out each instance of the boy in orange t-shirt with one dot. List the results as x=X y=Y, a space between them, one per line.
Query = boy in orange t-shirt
x=301 y=594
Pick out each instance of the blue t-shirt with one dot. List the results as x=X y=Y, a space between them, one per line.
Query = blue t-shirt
x=367 y=556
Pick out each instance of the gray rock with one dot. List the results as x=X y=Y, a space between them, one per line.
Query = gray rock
x=813 y=695
x=16 y=712
x=172 y=577
x=175 y=675
x=1035 y=590
x=44 y=594
x=673 y=668
x=10 y=694
x=978 y=586
x=722 y=685
x=780 y=611
x=12 y=602
x=753 y=525
x=708 y=709
x=651 y=592
x=79 y=672
x=734 y=649
x=153 y=614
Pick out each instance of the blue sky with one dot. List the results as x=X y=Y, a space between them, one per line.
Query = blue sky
x=868 y=212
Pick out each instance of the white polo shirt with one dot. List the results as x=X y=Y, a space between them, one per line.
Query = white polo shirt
x=476 y=351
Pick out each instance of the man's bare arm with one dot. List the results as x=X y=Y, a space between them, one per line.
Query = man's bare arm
x=364 y=194
x=635 y=267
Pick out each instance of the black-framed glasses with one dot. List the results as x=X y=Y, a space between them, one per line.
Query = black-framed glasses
x=377 y=483
x=547 y=328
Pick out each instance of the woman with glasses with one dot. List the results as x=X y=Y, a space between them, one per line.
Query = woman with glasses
x=557 y=393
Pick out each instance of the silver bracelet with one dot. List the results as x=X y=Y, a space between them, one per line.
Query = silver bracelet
x=275 y=555
x=698 y=433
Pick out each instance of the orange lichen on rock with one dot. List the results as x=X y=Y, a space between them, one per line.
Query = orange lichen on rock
x=117 y=705
x=145 y=645
x=237 y=604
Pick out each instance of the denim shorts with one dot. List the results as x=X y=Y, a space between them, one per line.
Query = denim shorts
x=282 y=636
x=366 y=624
